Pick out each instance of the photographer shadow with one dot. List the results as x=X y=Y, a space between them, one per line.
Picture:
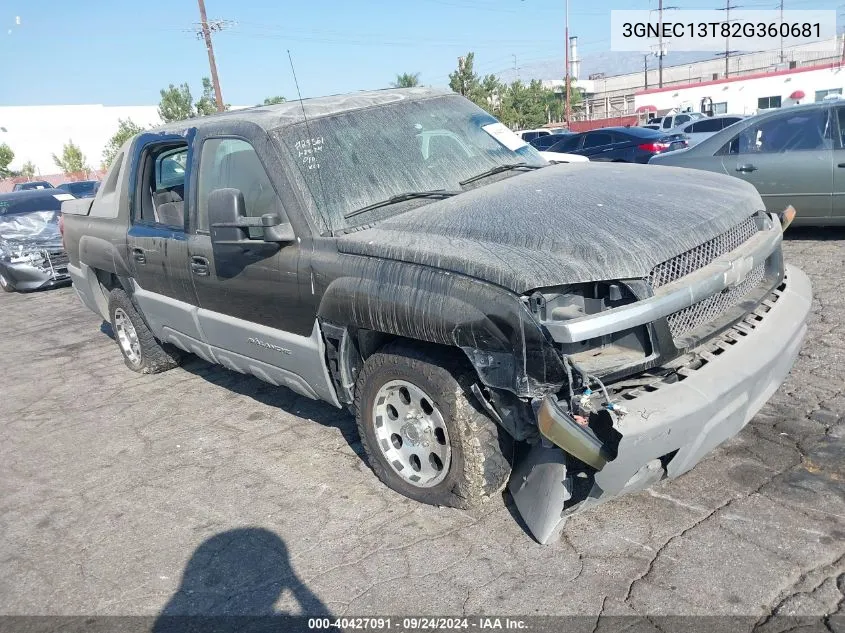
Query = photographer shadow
x=232 y=583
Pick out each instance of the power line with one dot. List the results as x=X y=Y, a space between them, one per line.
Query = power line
x=728 y=52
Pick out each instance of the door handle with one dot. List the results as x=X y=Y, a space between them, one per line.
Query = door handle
x=139 y=256
x=199 y=266
x=841 y=165
x=746 y=168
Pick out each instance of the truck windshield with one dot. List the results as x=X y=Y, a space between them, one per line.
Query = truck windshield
x=362 y=158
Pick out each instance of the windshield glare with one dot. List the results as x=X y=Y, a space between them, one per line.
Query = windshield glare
x=358 y=158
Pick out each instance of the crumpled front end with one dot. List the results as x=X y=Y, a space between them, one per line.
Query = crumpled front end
x=659 y=421
x=31 y=252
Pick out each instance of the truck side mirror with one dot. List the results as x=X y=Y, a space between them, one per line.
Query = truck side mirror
x=230 y=224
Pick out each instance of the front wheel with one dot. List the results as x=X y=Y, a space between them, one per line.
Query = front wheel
x=423 y=435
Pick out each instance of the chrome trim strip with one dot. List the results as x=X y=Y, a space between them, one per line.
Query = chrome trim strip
x=725 y=271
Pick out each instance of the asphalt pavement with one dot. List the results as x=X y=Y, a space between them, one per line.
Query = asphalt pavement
x=203 y=491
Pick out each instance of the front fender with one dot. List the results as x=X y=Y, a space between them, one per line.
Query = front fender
x=490 y=324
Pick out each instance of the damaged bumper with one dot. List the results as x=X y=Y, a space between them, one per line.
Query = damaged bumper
x=26 y=276
x=669 y=427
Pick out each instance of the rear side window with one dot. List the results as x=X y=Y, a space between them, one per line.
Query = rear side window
x=706 y=125
x=566 y=145
x=233 y=163
x=787 y=132
x=160 y=184
x=597 y=139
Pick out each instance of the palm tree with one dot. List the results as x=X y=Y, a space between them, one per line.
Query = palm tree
x=406 y=80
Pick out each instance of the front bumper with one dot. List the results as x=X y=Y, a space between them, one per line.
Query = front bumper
x=24 y=276
x=709 y=404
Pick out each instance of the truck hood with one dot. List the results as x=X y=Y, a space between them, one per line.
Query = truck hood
x=564 y=224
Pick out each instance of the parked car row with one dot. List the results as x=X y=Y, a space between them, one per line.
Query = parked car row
x=614 y=144
x=79 y=188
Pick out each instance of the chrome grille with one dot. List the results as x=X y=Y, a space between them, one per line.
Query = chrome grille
x=702 y=255
x=59 y=259
x=685 y=321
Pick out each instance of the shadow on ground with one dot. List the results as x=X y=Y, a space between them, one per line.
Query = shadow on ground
x=815 y=233
x=233 y=582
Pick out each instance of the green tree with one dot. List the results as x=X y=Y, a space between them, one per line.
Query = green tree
x=176 y=103
x=6 y=157
x=406 y=80
x=464 y=81
x=72 y=160
x=525 y=105
x=28 y=170
x=207 y=103
x=126 y=129
x=273 y=100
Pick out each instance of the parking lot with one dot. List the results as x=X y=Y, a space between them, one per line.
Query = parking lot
x=203 y=491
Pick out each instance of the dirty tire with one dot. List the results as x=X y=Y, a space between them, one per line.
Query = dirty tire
x=153 y=357
x=480 y=449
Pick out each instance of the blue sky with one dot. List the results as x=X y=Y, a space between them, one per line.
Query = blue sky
x=122 y=53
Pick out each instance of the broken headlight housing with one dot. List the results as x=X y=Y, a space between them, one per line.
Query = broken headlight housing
x=606 y=354
x=32 y=257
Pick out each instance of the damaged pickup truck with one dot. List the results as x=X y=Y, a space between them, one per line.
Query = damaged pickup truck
x=31 y=252
x=403 y=254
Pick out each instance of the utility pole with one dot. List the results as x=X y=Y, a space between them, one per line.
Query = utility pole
x=567 y=79
x=645 y=69
x=781 y=30
x=206 y=33
x=728 y=51
x=660 y=44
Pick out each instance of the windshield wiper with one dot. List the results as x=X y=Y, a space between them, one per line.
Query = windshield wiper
x=410 y=195
x=498 y=169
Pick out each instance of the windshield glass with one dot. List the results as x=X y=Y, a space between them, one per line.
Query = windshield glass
x=355 y=159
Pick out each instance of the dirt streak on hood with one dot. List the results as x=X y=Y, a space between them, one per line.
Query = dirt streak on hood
x=564 y=224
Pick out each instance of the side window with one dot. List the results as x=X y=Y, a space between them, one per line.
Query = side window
x=681 y=119
x=668 y=122
x=160 y=185
x=789 y=132
x=707 y=125
x=720 y=108
x=567 y=145
x=840 y=116
x=597 y=139
x=233 y=163
x=730 y=121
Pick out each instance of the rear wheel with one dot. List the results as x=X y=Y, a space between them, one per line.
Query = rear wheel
x=141 y=351
x=423 y=436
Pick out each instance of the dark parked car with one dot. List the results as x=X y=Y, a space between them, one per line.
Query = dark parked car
x=32 y=184
x=81 y=188
x=542 y=143
x=31 y=251
x=619 y=144
x=793 y=156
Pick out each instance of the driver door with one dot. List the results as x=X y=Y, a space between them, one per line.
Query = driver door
x=248 y=294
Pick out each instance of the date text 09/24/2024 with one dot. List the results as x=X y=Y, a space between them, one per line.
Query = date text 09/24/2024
x=417 y=624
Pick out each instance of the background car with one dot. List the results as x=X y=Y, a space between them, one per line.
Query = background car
x=544 y=142
x=530 y=135
x=700 y=129
x=674 y=120
x=32 y=184
x=81 y=188
x=793 y=156
x=618 y=144
x=31 y=251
